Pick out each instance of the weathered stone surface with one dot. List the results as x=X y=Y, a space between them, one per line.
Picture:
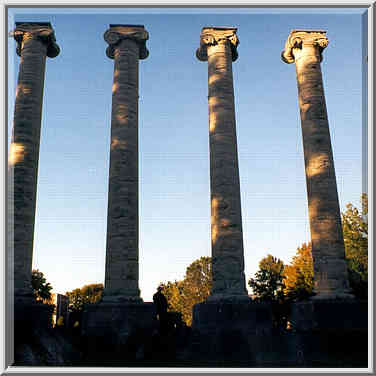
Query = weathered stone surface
x=115 y=322
x=35 y=41
x=331 y=331
x=126 y=47
x=330 y=314
x=47 y=347
x=239 y=334
x=248 y=317
x=304 y=47
x=31 y=316
x=218 y=47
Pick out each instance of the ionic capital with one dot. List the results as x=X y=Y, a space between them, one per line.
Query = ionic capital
x=42 y=31
x=298 y=39
x=211 y=36
x=116 y=33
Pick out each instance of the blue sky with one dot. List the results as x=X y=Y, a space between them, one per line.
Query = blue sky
x=71 y=218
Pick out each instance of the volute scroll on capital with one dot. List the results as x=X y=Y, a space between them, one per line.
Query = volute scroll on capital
x=113 y=38
x=298 y=39
x=42 y=31
x=214 y=36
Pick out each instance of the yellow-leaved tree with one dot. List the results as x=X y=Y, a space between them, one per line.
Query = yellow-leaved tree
x=298 y=281
x=194 y=288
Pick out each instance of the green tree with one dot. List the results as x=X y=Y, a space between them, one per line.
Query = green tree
x=298 y=282
x=299 y=274
x=193 y=289
x=268 y=282
x=198 y=280
x=84 y=295
x=41 y=288
x=355 y=234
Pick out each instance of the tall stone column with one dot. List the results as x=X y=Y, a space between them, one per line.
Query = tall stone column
x=305 y=47
x=35 y=41
x=121 y=313
x=127 y=44
x=218 y=46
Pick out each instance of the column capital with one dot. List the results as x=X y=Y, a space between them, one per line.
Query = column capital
x=298 y=39
x=42 y=31
x=117 y=33
x=211 y=36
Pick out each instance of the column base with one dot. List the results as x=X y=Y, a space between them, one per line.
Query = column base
x=228 y=298
x=120 y=299
x=120 y=295
x=333 y=296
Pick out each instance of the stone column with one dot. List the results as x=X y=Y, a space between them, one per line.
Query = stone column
x=127 y=44
x=35 y=41
x=305 y=47
x=218 y=46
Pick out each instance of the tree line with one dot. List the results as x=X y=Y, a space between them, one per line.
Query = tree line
x=274 y=281
x=277 y=281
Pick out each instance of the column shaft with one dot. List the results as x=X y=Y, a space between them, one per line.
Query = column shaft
x=126 y=47
x=122 y=225
x=226 y=221
x=24 y=148
x=328 y=250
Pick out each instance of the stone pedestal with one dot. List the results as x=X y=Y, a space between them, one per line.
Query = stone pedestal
x=115 y=322
x=329 y=314
x=118 y=333
x=237 y=334
x=218 y=46
x=331 y=333
x=305 y=47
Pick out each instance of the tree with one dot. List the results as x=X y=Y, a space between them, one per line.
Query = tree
x=84 y=295
x=355 y=234
x=268 y=282
x=298 y=282
x=41 y=288
x=299 y=274
x=198 y=280
x=173 y=292
x=193 y=289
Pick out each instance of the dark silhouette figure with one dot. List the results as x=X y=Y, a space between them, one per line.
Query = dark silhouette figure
x=161 y=306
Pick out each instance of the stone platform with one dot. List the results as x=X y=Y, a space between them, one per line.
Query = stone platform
x=31 y=315
x=31 y=319
x=325 y=333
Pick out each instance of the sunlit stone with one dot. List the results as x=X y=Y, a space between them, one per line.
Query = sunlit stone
x=218 y=46
x=126 y=47
x=35 y=41
x=305 y=47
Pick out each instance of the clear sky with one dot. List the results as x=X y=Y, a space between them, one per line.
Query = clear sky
x=71 y=218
